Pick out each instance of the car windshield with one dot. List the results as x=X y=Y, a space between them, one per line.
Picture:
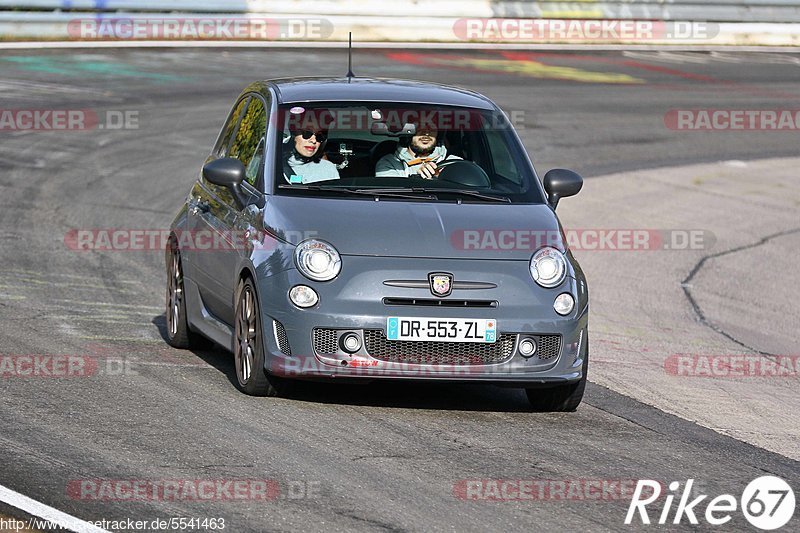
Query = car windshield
x=401 y=151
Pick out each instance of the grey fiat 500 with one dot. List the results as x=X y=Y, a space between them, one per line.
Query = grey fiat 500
x=363 y=229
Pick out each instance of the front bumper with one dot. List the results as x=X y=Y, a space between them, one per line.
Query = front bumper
x=354 y=302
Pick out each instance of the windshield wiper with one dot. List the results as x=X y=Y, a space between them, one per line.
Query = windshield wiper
x=389 y=193
x=403 y=192
x=399 y=192
x=444 y=190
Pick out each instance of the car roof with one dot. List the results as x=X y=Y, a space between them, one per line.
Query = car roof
x=319 y=89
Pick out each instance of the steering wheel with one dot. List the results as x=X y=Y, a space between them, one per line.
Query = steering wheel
x=444 y=164
x=441 y=165
x=463 y=172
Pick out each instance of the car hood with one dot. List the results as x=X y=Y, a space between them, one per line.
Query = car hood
x=416 y=229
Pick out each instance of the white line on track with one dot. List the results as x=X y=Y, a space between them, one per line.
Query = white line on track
x=40 y=510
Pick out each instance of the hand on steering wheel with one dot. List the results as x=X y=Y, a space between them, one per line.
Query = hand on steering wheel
x=431 y=170
x=428 y=171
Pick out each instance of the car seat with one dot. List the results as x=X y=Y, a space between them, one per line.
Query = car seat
x=381 y=149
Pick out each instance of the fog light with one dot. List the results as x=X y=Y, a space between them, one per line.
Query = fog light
x=303 y=296
x=564 y=303
x=527 y=347
x=350 y=342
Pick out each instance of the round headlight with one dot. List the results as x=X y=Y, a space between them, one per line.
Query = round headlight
x=564 y=303
x=548 y=267
x=303 y=296
x=317 y=260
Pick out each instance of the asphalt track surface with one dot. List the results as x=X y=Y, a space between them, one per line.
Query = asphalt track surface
x=378 y=457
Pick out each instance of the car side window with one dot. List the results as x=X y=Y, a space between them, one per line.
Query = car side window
x=249 y=136
x=229 y=130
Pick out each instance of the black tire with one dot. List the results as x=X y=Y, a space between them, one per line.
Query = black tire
x=178 y=333
x=248 y=348
x=563 y=398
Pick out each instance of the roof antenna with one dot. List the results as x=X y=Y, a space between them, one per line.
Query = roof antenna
x=350 y=56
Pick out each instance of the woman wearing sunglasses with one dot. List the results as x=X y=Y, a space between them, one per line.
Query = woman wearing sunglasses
x=305 y=160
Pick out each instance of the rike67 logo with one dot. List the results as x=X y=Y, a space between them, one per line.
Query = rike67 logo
x=767 y=503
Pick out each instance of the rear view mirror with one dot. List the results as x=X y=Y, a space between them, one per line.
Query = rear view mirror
x=381 y=128
x=559 y=183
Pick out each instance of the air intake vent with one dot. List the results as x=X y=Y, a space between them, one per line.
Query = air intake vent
x=325 y=341
x=438 y=353
x=281 y=338
x=549 y=346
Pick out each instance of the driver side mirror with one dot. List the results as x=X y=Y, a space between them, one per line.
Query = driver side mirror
x=559 y=183
x=227 y=172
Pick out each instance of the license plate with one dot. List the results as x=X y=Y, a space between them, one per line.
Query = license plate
x=441 y=329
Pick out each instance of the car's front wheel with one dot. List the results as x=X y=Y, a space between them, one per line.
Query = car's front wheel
x=563 y=397
x=248 y=350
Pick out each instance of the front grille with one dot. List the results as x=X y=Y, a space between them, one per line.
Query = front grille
x=281 y=338
x=549 y=346
x=325 y=341
x=436 y=352
x=436 y=302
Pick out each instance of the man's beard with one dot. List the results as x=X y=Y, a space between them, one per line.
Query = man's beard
x=422 y=151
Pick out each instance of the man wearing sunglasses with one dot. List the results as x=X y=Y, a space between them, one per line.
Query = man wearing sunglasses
x=306 y=161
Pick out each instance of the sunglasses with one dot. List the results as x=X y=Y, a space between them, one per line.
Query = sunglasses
x=307 y=134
